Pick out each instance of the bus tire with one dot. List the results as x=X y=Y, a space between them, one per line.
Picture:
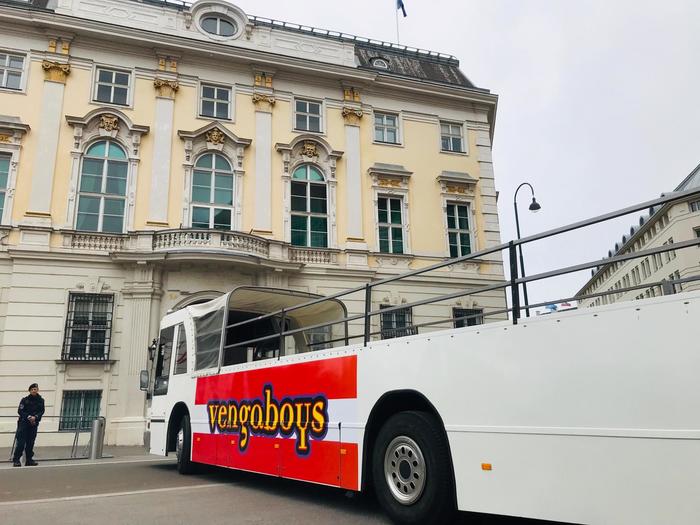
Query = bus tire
x=411 y=469
x=183 y=447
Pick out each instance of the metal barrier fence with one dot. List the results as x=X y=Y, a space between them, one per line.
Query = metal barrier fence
x=514 y=311
x=54 y=425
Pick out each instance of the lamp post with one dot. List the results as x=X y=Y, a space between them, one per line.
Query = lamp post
x=534 y=207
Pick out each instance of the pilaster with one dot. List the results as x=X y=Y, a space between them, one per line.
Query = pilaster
x=264 y=100
x=352 y=115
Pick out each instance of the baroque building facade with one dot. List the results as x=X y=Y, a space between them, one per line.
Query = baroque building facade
x=155 y=154
x=642 y=278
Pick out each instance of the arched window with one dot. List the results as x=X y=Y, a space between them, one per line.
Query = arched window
x=103 y=181
x=309 y=208
x=212 y=192
x=219 y=26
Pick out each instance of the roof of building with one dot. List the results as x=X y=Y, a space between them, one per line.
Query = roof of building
x=401 y=60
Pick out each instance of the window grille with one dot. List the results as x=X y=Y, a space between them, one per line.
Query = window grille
x=467 y=317
x=4 y=180
x=397 y=323
x=88 y=327
x=79 y=408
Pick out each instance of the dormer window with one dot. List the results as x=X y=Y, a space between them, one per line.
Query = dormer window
x=380 y=63
x=216 y=25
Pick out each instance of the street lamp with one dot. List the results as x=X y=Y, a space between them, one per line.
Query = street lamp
x=534 y=207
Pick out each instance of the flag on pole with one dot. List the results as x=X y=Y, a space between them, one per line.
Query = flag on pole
x=551 y=307
x=566 y=305
x=399 y=5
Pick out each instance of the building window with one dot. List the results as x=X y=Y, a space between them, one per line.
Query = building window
x=112 y=86
x=79 y=408
x=181 y=351
x=694 y=206
x=696 y=230
x=212 y=192
x=380 y=63
x=451 y=137
x=215 y=25
x=309 y=208
x=307 y=115
x=386 y=128
x=397 y=323
x=215 y=102
x=4 y=180
x=467 y=317
x=390 y=223
x=103 y=181
x=11 y=70
x=319 y=338
x=458 y=232
x=88 y=327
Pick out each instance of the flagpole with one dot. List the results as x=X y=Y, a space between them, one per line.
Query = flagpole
x=398 y=40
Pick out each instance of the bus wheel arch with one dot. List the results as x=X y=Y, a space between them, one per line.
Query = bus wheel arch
x=389 y=404
x=179 y=410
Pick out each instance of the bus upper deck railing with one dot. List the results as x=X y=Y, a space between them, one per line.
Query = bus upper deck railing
x=513 y=284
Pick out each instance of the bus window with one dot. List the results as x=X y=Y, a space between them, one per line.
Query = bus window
x=165 y=349
x=241 y=346
x=181 y=351
x=208 y=339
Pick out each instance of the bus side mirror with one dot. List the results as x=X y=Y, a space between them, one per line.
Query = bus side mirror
x=143 y=380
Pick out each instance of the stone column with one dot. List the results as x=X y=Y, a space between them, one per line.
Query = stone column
x=262 y=220
x=39 y=212
x=162 y=151
x=356 y=244
x=139 y=293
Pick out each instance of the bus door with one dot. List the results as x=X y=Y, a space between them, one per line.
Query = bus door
x=159 y=406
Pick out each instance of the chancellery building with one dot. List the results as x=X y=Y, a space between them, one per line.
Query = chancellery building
x=156 y=154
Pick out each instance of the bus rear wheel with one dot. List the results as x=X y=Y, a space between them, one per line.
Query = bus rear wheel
x=183 y=447
x=411 y=469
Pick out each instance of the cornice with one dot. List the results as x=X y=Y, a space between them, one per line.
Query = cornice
x=148 y=39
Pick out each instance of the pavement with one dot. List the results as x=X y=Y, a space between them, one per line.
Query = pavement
x=134 y=487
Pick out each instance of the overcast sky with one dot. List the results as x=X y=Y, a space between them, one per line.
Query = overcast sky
x=598 y=100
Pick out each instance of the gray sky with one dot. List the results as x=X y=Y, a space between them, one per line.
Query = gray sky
x=598 y=101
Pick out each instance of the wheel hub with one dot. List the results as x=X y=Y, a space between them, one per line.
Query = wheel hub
x=404 y=470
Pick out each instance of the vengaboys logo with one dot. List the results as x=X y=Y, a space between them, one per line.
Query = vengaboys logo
x=305 y=416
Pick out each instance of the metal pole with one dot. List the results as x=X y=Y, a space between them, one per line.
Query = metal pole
x=283 y=321
x=515 y=294
x=97 y=435
x=368 y=308
x=520 y=247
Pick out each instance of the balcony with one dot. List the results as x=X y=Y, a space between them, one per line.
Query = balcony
x=182 y=242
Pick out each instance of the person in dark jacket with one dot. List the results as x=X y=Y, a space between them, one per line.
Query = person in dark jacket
x=30 y=410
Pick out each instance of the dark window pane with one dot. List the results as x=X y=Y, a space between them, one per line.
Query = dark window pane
x=300 y=122
x=318 y=205
x=89 y=205
x=114 y=207
x=104 y=76
x=299 y=189
x=226 y=28
x=223 y=165
x=319 y=240
x=112 y=224
x=314 y=124
x=383 y=233
x=314 y=109
x=14 y=80
x=300 y=106
x=384 y=246
x=200 y=194
x=117 y=169
x=208 y=92
x=445 y=144
x=91 y=184
x=97 y=150
x=318 y=191
x=209 y=25
x=207 y=108
x=453 y=251
x=222 y=110
x=298 y=238
x=120 y=95
x=87 y=222
x=299 y=222
x=104 y=93
x=223 y=197
x=223 y=181
x=298 y=203
x=222 y=219
x=319 y=224
x=121 y=78
x=395 y=217
x=115 y=186
x=200 y=217
x=93 y=166
x=204 y=161
x=222 y=94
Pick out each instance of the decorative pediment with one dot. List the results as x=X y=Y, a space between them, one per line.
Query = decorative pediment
x=102 y=122
x=309 y=148
x=389 y=175
x=457 y=183
x=214 y=136
x=12 y=130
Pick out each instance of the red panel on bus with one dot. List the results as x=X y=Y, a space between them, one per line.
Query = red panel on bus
x=334 y=378
x=330 y=463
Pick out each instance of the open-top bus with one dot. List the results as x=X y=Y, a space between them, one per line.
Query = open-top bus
x=590 y=416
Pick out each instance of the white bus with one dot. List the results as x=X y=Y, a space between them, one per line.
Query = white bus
x=589 y=416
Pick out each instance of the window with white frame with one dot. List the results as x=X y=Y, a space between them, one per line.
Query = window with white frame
x=467 y=317
x=694 y=206
x=215 y=102
x=386 y=128
x=458 y=229
x=88 y=327
x=103 y=183
x=219 y=26
x=696 y=230
x=309 y=217
x=451 y=137
x=79 y=408
x=307 y=115
x=5 y=160
x=212 y=192
x=112 y=86
x=390 y=224
x=11 y=70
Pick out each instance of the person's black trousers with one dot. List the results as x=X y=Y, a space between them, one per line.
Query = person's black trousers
x=26 y=435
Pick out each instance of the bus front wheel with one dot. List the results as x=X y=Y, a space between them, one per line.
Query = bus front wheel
x=411 y=469
x=183 y=447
